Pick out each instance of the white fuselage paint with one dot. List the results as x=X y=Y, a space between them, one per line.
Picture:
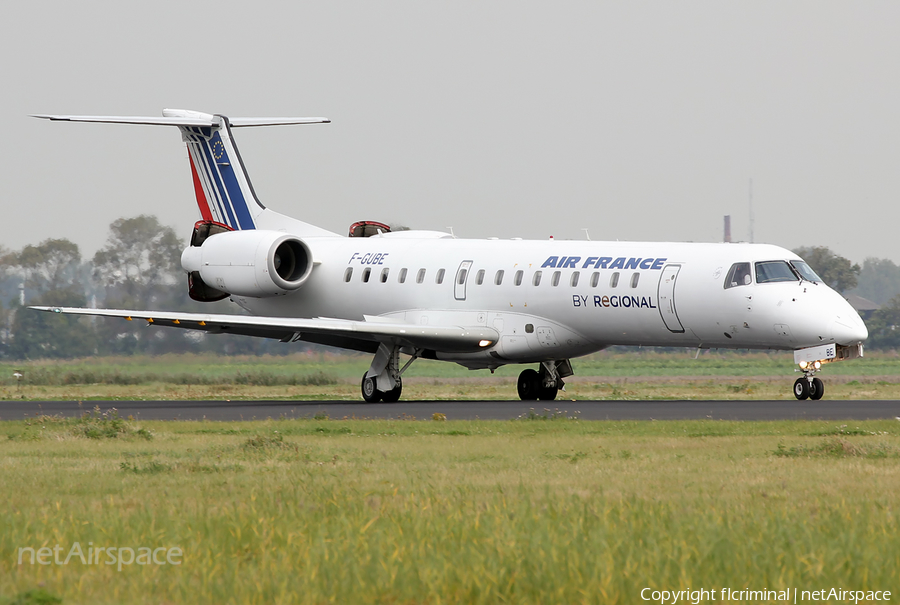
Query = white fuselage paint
x=667 y=294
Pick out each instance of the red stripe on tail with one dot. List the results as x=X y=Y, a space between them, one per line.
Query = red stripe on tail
x=202 y=202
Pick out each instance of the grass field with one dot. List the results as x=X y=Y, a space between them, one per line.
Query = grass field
x=525 y=511
x=638 y=374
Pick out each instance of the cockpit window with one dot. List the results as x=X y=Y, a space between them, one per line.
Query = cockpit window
x=771 y=271
x=805 y=271
x=738 y=275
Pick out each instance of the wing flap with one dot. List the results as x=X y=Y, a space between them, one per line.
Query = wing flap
x=438 y=338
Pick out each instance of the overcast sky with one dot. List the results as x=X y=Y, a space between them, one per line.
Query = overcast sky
x=634 y=120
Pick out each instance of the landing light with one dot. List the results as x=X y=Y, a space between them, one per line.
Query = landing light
x=485 y=343
x=818 y=365
x=803 y=365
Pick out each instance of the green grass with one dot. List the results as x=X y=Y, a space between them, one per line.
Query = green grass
x=328 y=368
x=528 y=511
x=634 y=374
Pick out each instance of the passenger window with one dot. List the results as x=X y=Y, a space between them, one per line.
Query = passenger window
x=595 y=279
x=635 y=278
x=774 y=271
x=738 y=275
x=554 y=280
x=348 y=273
x=518 y=279
x=479 y=277
x=439 y=278
x=498 y=279
x=402 y=276
x=461 y=278
x=574 y=281
x=421 y=276
x=536 y=280
x=384 y=275
x=614 y=280
x=366 y=273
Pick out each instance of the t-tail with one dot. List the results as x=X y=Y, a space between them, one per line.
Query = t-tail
x=221 y=185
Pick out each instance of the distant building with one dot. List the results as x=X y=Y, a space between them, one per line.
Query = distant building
x=863 y=306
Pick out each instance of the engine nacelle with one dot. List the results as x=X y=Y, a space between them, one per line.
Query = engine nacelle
x=253 y=263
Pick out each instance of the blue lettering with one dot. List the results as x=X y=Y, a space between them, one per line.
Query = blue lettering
x=644 y=304
x=550 y=262
x=626 y=301
x=576 y=300
x=658 y=263
x=619 y=263
x=603 y=261
x=632 y=263
x=597 y=301
x=613 y=301
x=590 y=261
x=645 y=264
x=584 y=300
x=571 y=262
x=355 y=254
x=365 y=258
x=635 y=302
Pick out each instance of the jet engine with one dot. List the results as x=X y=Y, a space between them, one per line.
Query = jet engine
x=254 y=263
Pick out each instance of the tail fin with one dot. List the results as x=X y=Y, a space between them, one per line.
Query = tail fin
x=221 y=185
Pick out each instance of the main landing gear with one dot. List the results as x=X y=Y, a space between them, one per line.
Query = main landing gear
x=545 y=383
x=381 y=382
x=808 y=386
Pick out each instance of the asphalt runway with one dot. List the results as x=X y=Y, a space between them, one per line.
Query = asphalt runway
x=460 y=410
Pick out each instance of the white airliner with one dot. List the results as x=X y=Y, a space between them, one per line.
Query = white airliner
x=479 y=303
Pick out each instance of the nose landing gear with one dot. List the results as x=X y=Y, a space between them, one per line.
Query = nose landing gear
x=808 y=386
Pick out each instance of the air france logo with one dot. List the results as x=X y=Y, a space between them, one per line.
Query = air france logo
x=604 y=262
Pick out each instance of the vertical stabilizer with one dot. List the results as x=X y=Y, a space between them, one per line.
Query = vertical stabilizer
x=221 y=185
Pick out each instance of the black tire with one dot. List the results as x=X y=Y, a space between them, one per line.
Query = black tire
x=801 y=388
x=816 y=389
x=547 y=393
x=529 y=385
x=369 y=392
x=393 y=396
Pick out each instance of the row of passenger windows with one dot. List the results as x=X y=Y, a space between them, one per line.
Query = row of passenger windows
x=518 y=277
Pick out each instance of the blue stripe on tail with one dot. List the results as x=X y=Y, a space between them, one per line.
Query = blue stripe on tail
x=226 y=169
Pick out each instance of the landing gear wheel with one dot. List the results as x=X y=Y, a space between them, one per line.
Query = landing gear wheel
x=816 y=389
x=369 y=392
x=547 y=393
x=393 y=396
x=529 y=385
x=801 y=388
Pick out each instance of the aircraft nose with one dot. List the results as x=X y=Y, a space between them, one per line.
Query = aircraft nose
x=849 y=329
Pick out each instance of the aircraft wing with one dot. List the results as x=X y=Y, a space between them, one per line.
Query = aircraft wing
x=358 y=335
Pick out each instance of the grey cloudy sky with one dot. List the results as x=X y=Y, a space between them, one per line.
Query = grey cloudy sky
x=635 y=120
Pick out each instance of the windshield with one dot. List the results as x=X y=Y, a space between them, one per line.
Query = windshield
x=805 y=271
x=771 y=271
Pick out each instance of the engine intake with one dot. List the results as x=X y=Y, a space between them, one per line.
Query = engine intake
x=254 y=263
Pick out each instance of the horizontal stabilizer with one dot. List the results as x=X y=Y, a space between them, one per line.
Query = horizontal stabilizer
x=194 y=120
x=439 y=338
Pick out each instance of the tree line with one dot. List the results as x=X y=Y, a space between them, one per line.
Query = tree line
x=139 y=267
